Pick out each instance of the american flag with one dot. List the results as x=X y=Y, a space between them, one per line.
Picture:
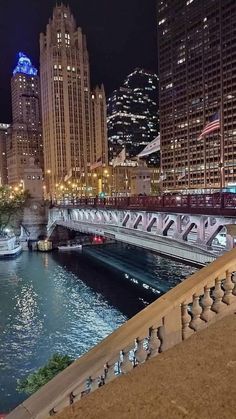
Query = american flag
x=97 y=164
x=213 y=125
x=182 y=175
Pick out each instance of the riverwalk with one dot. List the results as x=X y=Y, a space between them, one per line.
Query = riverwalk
x=195 y=379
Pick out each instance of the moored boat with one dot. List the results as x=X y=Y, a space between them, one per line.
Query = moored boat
x=70 y=247
x=9 y=247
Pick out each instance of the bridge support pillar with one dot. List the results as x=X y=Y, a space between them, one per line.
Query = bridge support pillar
x=160 y=223
x=178 y=228
x=201 y=230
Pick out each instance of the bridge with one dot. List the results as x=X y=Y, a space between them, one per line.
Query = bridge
x=184 y=227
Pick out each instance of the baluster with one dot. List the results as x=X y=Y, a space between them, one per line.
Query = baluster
x=154 y=342
x=109 y=372
x=228 y=286
x=234 y=282
x=186 y=318
x=72 y=398
x=77 y=392
x=140 y=352
x=196 y=321
x=207 y=301
x=94 y=383
x=126 y=365
x=218 y=294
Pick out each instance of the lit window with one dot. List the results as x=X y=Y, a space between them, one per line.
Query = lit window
x=68 y=68
x=161 y=22
x=58 y=37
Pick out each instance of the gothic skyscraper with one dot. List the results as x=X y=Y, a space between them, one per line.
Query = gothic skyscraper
x=66 y=100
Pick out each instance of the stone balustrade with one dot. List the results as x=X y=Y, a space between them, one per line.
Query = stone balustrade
x=200 y=300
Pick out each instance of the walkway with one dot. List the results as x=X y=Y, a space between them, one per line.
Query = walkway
x=195 y=380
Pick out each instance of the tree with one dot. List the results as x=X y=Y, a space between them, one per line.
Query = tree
x=37 y=379
x=12 y=201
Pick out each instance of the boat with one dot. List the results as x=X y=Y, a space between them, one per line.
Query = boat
x=44 y=245
x=70 y=247
x=9 y=247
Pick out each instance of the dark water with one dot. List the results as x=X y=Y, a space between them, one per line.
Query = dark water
x=67 y=302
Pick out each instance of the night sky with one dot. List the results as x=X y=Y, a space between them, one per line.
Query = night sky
x=121 y=35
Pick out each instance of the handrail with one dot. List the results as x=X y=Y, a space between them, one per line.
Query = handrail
x=201 y=299
x=215 y=204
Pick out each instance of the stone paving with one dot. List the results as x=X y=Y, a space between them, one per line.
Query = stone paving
x=195 y=380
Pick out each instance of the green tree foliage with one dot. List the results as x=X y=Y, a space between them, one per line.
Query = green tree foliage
x=12 y=201
x=34 y=381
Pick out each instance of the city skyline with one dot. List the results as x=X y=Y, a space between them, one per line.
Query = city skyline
x=114 y=53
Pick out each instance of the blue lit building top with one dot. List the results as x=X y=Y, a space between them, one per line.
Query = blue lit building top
x=24 y=66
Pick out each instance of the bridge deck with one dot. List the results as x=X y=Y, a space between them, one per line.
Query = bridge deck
x=195 y=379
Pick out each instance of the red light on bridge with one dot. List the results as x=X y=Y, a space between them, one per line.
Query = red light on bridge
x=97 y=240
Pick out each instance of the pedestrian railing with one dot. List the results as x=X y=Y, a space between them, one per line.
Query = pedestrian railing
x=197 y=302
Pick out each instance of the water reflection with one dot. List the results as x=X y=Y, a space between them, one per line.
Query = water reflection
x=67 y=303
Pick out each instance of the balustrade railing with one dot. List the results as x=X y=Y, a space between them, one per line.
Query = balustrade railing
x=206 y=203
x=200 y=300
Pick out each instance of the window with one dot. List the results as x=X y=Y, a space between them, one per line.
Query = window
x=59 y=37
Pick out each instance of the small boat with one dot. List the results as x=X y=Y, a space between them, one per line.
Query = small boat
x=44 y=245
x=70 y=247
x=9 y=247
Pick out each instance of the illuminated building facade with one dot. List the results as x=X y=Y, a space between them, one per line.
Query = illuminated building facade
x=24 y=140
x=197 y=70
x=3 y=153
x=133 y=113
x=68 y=129
x=99 y=127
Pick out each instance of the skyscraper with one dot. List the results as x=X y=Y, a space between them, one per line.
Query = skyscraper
x=66 y=100
x=133 y=113
x=24 y=135
x=197 y=70
x=3 y=153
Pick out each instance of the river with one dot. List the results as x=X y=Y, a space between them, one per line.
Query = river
x=68 y=302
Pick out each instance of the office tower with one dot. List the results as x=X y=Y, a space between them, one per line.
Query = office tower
x=197 y=71
x=66 y=100
x=133 y=113
x=99 y=127
x=3 y=153
x=25 y=134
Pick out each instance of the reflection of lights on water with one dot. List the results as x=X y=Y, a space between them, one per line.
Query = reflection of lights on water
x=126 y=276
x=45 y=261
x=134 y=280
x=155 y=291
x=27 y=306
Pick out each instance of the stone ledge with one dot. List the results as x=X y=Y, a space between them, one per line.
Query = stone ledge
x=196 y=379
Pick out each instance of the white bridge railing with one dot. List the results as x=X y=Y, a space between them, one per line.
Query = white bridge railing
x=200 y=300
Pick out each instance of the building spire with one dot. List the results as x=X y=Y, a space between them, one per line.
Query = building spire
x=25 y=66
